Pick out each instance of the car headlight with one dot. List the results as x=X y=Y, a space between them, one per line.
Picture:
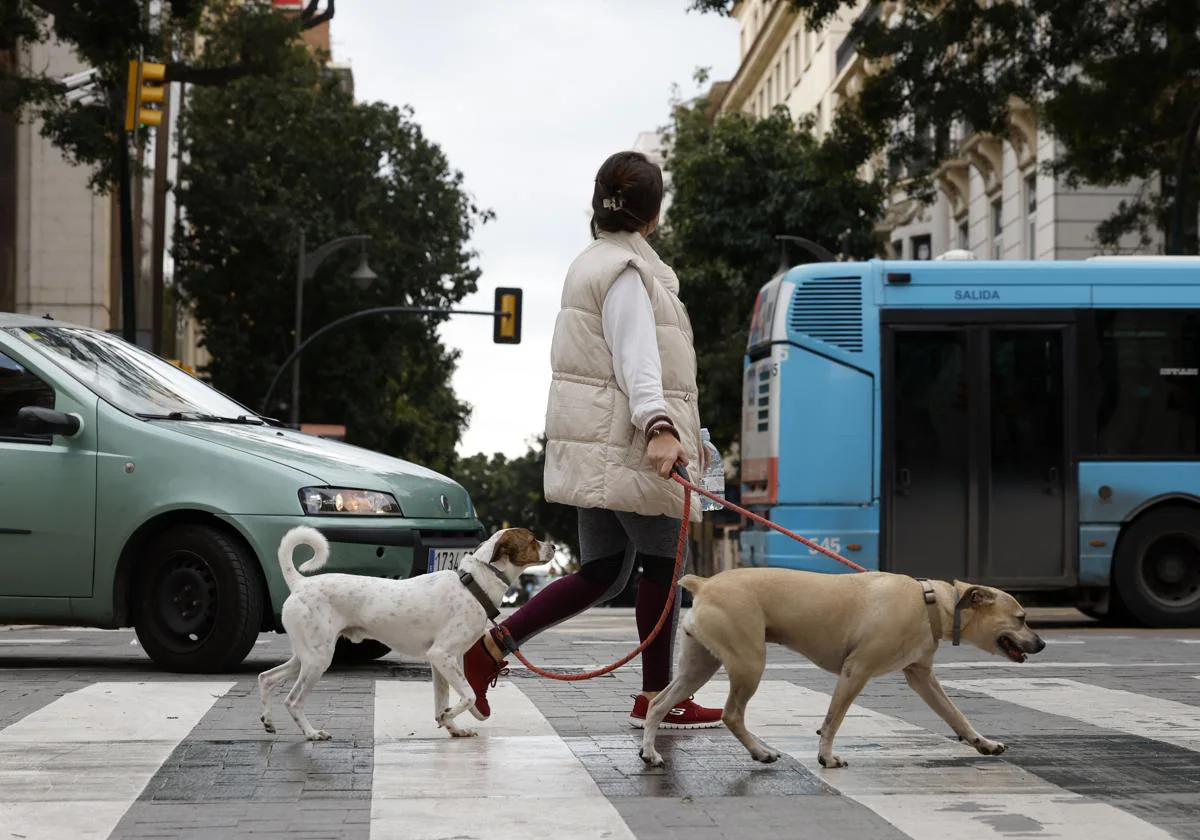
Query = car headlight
x=345 y=501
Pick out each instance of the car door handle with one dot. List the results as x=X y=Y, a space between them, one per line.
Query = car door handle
x=1052 y=481
x=904 y=482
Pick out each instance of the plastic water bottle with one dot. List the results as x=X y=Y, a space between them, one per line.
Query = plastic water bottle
x=713 y=478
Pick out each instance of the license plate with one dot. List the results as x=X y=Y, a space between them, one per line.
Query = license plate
x=441 y=559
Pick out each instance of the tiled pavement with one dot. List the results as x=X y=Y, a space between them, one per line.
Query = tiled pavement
x=1103 y=730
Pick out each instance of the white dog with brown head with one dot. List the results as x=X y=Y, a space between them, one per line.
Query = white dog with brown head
x=857 y=626
x=434 y=617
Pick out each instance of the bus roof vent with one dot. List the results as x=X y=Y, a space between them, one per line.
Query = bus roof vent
x=829 y=309
x=956 y=254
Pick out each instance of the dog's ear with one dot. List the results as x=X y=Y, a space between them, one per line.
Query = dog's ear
x=975 y=596
x=519 y=547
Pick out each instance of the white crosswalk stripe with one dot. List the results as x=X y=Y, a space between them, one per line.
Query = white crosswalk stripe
x=1135 y=714
x=73 y=767
x=986 y=798
x=517 y=779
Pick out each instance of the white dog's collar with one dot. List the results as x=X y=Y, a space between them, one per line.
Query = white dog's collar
x=468 y=580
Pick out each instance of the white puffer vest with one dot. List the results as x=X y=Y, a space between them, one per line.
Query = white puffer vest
x=595 y=456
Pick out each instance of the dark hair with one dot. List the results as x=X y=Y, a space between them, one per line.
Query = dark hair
x=628 y=193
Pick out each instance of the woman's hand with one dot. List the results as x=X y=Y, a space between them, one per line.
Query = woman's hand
x=664 y=452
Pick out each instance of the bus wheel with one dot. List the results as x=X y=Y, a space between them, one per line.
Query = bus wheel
x=1157 y=568
x=347 y=652
x=199 y=600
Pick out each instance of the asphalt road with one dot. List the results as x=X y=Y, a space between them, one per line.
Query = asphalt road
x=1102 y=729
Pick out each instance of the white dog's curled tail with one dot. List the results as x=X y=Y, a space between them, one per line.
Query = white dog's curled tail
x=293 y=539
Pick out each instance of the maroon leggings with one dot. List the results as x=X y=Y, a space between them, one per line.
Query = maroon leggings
x=574 y=593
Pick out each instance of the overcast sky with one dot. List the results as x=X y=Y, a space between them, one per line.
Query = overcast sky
x=527 y=98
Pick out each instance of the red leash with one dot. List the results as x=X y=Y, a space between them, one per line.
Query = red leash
x=509 y=644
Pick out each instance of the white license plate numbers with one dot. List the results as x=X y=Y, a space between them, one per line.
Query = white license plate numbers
x=441 y=559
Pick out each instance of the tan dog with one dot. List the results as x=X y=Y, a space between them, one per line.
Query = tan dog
x=857 y=626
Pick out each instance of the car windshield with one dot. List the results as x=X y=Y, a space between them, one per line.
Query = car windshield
x=134 y=380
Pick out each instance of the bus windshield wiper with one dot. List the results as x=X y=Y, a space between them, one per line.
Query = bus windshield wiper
x=198 y=417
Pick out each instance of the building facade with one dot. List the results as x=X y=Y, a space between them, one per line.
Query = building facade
x=992 y=199
x=56 y=235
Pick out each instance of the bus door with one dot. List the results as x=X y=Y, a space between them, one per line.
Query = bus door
x=978 y=447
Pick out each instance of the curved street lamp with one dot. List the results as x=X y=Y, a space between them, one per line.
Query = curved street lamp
x=307 y=269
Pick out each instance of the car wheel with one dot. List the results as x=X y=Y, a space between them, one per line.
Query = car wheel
x=350 y=653
x=200 y=602
x=1156 y=571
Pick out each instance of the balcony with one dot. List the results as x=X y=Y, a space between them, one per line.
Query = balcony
x=849 y=46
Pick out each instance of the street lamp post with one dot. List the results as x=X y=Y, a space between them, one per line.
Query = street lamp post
x=306 y=269
x=1185 y=162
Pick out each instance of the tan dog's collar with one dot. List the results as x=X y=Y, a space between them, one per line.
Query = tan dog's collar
x=935 y=612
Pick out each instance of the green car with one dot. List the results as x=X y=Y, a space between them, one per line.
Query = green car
x=133 y=494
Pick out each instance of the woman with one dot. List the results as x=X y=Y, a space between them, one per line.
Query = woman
x=622 y=413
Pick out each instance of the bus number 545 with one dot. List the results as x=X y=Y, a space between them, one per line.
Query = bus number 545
x=833 y=544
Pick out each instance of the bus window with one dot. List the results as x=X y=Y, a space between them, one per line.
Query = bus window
x=1146 y=381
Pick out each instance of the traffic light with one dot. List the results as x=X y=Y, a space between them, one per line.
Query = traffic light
x=146 y=87
x=507 y=328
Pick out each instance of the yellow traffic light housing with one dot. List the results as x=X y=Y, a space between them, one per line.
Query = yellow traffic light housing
x=507 y=327
x=146 y=87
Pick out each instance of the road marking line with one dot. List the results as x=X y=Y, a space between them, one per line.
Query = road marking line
x=897 y=769
x=75 y=766
x=17 y=642
x=517 y=775
x=1167 y=721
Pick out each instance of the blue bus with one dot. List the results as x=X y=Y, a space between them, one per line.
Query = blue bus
x=1028 y=425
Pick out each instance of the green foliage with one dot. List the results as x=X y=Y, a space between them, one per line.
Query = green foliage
x=1115 y=83
x=106 y=34
x=510 y=491
x=736 y=185
x=269 y=156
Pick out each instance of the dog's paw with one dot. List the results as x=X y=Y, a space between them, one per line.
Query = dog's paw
x=831 y=761
x=319 y=735
x=461 y=732
x=267 y=724
x=988 y=747
x=765 y=755
x=651 y=757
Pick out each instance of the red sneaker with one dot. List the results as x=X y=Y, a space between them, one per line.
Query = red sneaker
x=686 y=715
x=482 y=671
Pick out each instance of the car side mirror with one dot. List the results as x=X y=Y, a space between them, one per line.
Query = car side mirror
x=47 y=421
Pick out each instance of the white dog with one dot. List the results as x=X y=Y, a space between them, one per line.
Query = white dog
x=435 y=617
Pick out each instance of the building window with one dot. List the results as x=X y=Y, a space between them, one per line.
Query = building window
x=1147 y=368
x=796 y=54
x=922 y=247
x=998 y=229
x=964 y=235
x=898 y=249
x=1031 y=216
x=787 y=68
x=780 y=87
x=20 y=389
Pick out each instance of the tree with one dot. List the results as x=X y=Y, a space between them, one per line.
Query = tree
x=1115 y=83
x=505 y=490
x=106 y=34
x=736 y=184
x=269 y=156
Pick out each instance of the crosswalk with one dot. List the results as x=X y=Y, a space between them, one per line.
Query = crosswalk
x=78 y=765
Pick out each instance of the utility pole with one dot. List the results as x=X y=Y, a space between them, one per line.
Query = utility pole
x=162 y=153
